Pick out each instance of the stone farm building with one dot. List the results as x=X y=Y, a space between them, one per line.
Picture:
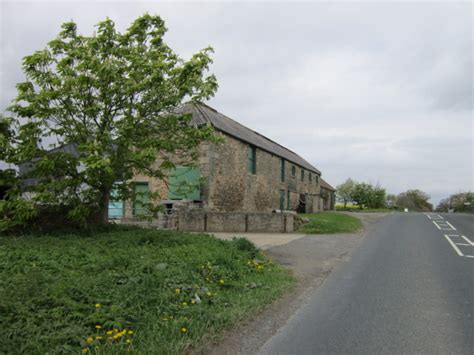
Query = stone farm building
x=328 y=196
x=246 y=172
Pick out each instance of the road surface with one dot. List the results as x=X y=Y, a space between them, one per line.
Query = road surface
x=409 y=288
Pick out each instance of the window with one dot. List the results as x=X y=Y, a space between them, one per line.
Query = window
x=293 y=171
x=302 y=175
x=282 y=170
x=310 y=177
x=288 y=200
x=317 y=179
x=141 y=199
x=282 y=200
x=252 y=160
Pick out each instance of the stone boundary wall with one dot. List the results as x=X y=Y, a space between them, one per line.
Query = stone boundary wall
x=197 y=220
x=239 y=222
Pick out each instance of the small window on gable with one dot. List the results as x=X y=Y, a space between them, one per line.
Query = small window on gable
x=302 y=175
x=293 y=170
x=252 y=160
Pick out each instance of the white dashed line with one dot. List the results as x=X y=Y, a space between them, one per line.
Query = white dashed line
x=428 y=216
x=454 y=246
x=441 y=217
x=449 y=224
x=436 y=224
x=467 y=240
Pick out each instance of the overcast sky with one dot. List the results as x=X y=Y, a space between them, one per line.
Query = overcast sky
x=380 y=92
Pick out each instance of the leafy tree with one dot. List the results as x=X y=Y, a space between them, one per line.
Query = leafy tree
x=366 y=195
x=460 y=202
x=345 y=190
x=415 y=200
x=391 y=200
x=114 y=96
x=361 y=194
x=377 y=197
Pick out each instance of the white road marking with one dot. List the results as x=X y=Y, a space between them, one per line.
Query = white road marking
x=467 y=240
x=454 y=246
x=451 y=225
x=436 y=224
x=463 y=244
x=469 y=256
x=428 y=216
x=440 y=216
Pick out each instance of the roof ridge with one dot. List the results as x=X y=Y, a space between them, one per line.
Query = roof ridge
x=240 y=124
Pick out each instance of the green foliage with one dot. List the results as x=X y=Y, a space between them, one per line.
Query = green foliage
x=345 y=190
x=414 y=200
x=330 y=222
x=366 y=195
x=460 y=202
x=114 y=96
x=173 y=291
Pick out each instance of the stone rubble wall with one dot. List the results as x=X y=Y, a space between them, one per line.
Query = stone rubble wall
x=198 y=220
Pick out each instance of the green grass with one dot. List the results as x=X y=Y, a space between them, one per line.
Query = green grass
x=330 y=222
x=170 y=292
x=355 y=208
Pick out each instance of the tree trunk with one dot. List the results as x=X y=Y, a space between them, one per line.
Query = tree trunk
x=101 y=216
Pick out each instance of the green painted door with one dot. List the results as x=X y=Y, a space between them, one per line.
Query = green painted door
x=141 y=199
x=184 y=184
x=282 y=200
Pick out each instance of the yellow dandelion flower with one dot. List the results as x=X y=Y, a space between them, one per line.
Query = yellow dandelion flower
x=98 y=305
x=185 y=304
x=115 y=330
x=128 y=341
x=98 y=338
x=85 y=350
x=221 y=281
x=90 y=340
x=98 y=326
x=193 y=301
x=209 y=294
x=177 y=291
x=110 y=332
x=130 y=332
x=183 y=330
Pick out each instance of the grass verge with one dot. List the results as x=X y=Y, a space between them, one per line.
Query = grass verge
x=330 y=222
x=128 y=289
x=356 y=208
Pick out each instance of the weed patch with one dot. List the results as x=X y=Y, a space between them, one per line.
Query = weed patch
x=128 y=289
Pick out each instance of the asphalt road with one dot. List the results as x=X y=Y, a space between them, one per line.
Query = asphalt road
x=405 y=290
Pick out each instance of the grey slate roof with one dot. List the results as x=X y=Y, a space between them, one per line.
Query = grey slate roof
x=326 y=186
x=203 y=114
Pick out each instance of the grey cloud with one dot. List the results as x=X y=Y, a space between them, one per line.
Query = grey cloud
x=376 y=91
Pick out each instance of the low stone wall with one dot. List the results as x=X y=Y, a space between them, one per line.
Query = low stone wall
x=162 y=221
x=198 y=220
x=206 y=221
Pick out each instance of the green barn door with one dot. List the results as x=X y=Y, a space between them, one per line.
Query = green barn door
x=184 y=184
x=141 y=199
